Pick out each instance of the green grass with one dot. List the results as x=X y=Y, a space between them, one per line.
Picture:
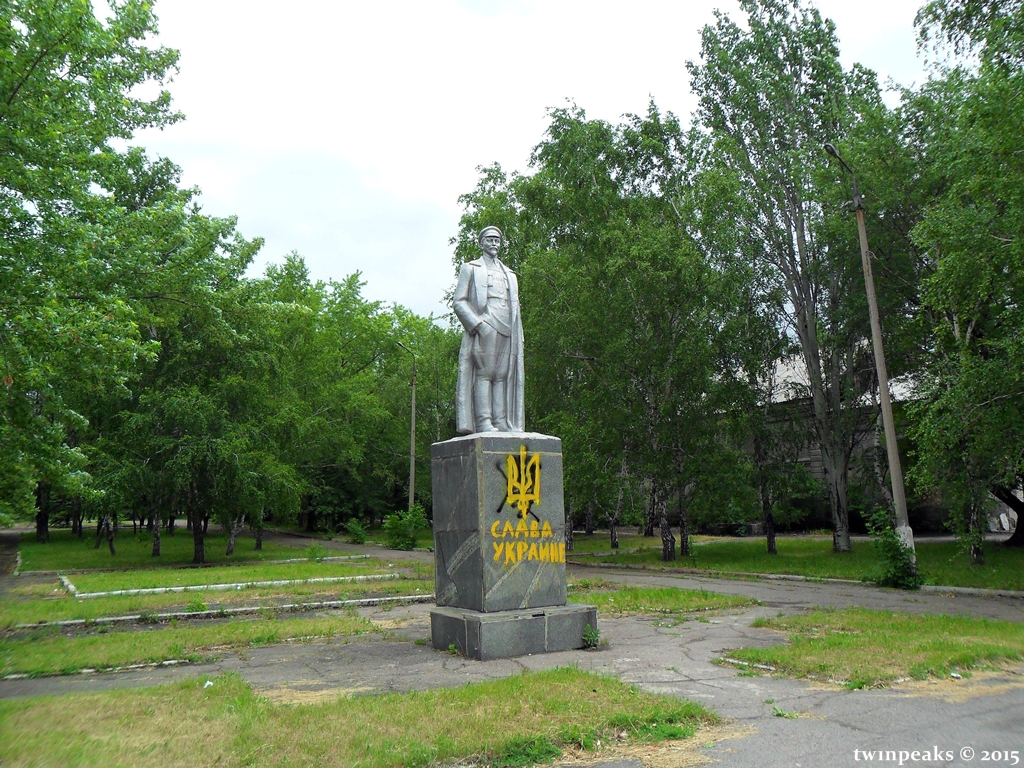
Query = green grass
x=29 y=604
x=502 y=722
x=655 y=600
x=66 y=552
x=943 y=563
x=180 y=577
x=599 y=542
x=46 y=651
x=940 y=563
x=860 y=648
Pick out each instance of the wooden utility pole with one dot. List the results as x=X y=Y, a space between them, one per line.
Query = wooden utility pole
x=899 y=499
x=412 y=432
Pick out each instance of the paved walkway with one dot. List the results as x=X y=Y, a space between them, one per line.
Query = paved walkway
x=834 y=727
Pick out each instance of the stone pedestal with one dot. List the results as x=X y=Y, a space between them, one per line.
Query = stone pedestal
x=499 y=547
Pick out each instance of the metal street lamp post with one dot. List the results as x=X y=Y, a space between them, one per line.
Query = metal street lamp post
x=412 y=431
x=899 y=499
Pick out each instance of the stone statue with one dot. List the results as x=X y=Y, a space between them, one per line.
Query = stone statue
x=489 y=396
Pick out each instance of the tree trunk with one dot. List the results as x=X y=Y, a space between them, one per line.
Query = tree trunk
x=825 y=412
x=234 y=526
x=975 y=533
x=766 y=511
x=42 y=512
x=100 y=523
x=1010 y=500
x=684 y=528
x=588 y=519
x=195 y=517
x=259 y=539
x=668 y=541
x=77 y=518
x=198 y=545
x=839 y=502
x=110 y=537
x=652 y=513
x=153 y=524
x=613 y=520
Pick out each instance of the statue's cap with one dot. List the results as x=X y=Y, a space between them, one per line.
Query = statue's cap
x=487 y=230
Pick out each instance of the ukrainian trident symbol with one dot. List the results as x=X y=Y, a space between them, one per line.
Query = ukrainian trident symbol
x=523 y=481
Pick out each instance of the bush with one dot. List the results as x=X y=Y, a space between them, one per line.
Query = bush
x=356 y=532
x=900 y=571
x=315 y=551
x=401 y=527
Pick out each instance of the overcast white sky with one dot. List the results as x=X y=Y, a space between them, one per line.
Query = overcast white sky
x=347 y=130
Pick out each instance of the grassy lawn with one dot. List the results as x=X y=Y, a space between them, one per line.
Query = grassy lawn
x=628 y=542
x=939 y=563
x=66 y=552
x=178 y=577
x=47 y=651
x=515 y=721
x=860 y=648
x=30 y=604
x=652 y=600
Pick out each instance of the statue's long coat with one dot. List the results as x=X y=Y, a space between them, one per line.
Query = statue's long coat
x=470 y=305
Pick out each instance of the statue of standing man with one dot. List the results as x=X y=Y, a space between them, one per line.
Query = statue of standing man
x=489 y=397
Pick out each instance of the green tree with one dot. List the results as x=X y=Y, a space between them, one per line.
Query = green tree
x=68 y=85
x=621 y=310
x=769 y=95
x=968 y=434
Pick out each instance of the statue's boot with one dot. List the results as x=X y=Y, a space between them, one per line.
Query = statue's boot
x=499 y=407
x=482 y=406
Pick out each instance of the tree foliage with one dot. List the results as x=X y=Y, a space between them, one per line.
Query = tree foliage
x=972 y=231
x=144 y=373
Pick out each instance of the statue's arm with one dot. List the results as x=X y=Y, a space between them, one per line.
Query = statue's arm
x=462 y=305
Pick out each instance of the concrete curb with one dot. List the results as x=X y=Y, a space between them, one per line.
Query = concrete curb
x=186 y=566
x=91 y=671
x=974 y=591
x=224 y=587
x=139 y=618
x=967 y=591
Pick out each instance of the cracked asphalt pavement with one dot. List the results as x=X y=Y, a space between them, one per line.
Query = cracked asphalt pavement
x=831 y=726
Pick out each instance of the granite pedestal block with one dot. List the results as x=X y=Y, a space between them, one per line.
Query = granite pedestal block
x=505 y=634
x=488 y=556
x=499 y=547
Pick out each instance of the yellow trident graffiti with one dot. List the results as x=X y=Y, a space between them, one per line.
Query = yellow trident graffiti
x=523 y=480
